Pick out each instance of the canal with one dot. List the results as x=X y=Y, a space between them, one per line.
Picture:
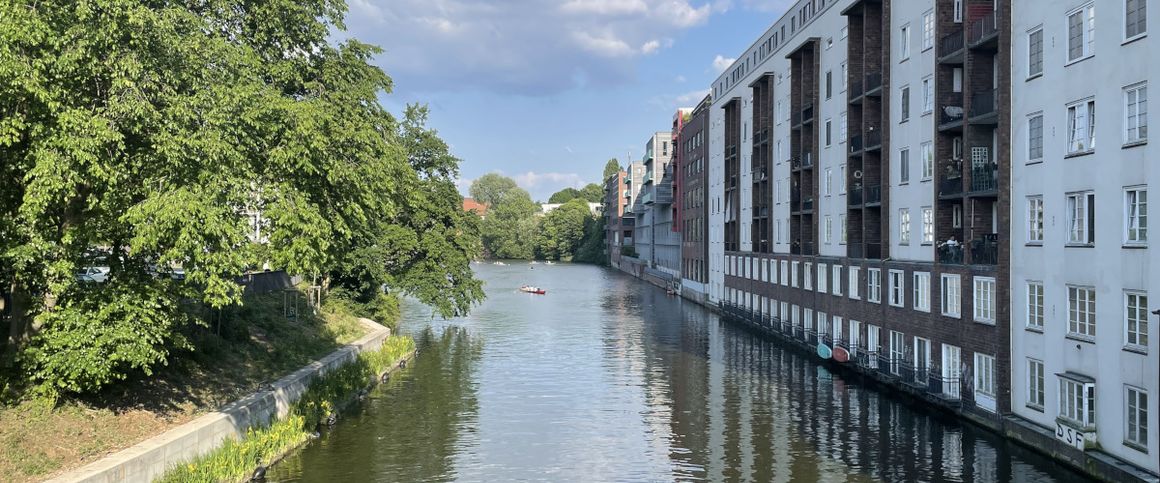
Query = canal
x=606 y=378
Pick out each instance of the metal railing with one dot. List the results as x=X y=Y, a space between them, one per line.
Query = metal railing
x=856 y=250
x=854 y=196
x=983 y=103
x=807 y=112
x=873 y=251
x=854 y=90
x=950 y=114
x=985 y=250
x=983 y=29
x=855 y=143
x=873 y=195
x=873 y=138
x=808 y=204
x=950 y=253
x=951 y=186
x=984 y=178
x=951 y=43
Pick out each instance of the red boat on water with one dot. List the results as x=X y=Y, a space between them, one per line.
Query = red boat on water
x=533 y=290
x=841 y=354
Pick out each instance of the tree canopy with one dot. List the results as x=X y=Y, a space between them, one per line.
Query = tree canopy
x=509 y=231
x=490 y=188
x=611 y=168
x=565 y=195
x=161 y=130
x=562 y=230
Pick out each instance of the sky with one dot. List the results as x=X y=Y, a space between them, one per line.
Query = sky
x=546 y=91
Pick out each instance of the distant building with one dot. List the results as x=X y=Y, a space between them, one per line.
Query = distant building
x=657 y=244
x=595 y=208
x=616 y=199
x=692 y=195
x=476 y=207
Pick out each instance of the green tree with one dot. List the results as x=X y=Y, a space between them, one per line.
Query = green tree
x=565 y=195
x=490 y=188
x=153 y=127
x=509 y=231
x=592 y=246
x=592 y=193
x=610 y=168
x=562 y=230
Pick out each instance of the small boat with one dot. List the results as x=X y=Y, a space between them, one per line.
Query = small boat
x=549 y=262
x=499 y=263
x=841 y=354
x=533 y=290
x=824 y=350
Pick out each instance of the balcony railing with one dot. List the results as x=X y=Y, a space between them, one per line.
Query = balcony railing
x=856 y=250
x=855 y=90
x=950 y=114
x=983 y=29
x=950 y=252
x=874 y=251
x=799 y=248
x=951 y=186
x=873 y=82
x=985 y=250
x=854 y=196
x=873 y=138
x=873 y=195
x=951 y=44
x=855 y=143
x=983 y=103
x=730 y=151
x=807 y=112
x=808 y=204
x=984 y=179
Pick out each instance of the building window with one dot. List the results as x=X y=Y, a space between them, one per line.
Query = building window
x=793 y=274
x=1035 y=305
x=829 y=233
x=829 y=84
x=829 y=181
x=957 y=80
x=842 y=128
x=897 y=285
x=985 y=300
x=1136 y=417
x=843 y=33
x=1136 y=216
x=784 y=273
x=958 y=11
x=1035 y=384
x=1035 y=52
x=957 y=216
x=904 y=226
x=927 y=30
x=842 y=222
x=1135 y=19
x=829 y=132
x=951 y=295
x=1035 y=219
x=904 y=166
x=874 y=285
x=1081 y=218
x=1081 y=29
x=1077 y=401
x=808 y=276
x=905 y=97
x=922 y=291
x=904 y=43
x=927 y=161
x=928 y=226
x=842 y=179
x=853 y=282
x=1136 y=113
x=1136 y=321
x=1081 y=312
x=927 y=95
x=822 y=275
x=897 y=351
x=837 y=289
x=1081 y=126
x=1035 y=137
x=985 y=381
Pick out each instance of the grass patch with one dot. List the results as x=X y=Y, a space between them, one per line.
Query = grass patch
x=236 y=459
x=239 y=350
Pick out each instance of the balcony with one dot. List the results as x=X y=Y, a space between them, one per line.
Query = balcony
x=950 y=117
x=950 y=48
x=873 y=139
x=983 y=107
x=805 y=161
x=664 y=194
x=856 y=250
x=648 y=177
x=874 y=196
x=984 y=180
x=854 y=196
x=950 y=252
x=855 y=144
x=730 y=151
x=951 y=188
x=854 y=93
x=874 y=84
x=984 y=33
x=798 y=248
x=985 y=250
x=807 y=113
x=873 y=251
x=808 y=204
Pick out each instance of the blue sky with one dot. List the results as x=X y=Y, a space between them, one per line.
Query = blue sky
x=546 y=91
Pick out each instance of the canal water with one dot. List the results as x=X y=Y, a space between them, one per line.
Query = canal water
x=606 y=378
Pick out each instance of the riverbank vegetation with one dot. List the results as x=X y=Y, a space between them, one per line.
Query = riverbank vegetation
x=237 y=458
x=173 y=147
x=516 y=228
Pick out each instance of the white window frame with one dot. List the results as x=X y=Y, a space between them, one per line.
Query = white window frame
x=808 y=276
x=952 y=295
x=928 y=30
x=793 y=273
x=1081 y=128
x=1081 y=312
x=1034 y=57
x=1136 y=113
x=896 y=283
x=822 y=278
x=842 y=223
x=986 y=388
x=1136 y=324
x=904 y=165
x=1135 y=216
x=1036 y=298
x=836 y=287
x=1143 y=16
x=852 y=272
x=926 y=150
x=842 y=126
x=984 y=299
x=1135 y=410
x=904 y=43
x=903 y=226
x=1077 y=401
x=1035 y=143
x=1036 y=394
x=874 y=285
x=784 y=272
x=1035 y=220
x=904 y=104
x=1081 y=218
x=1087 y=33
x=922 y=291
x=927 y=225
x=927 y=95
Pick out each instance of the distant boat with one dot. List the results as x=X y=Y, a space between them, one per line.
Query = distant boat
x=499 y=263
x=824 y=350
x=533 y=290
x=841 y=354
x=549 y=262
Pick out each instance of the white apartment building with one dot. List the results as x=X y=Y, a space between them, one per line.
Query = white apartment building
x=1084 y=273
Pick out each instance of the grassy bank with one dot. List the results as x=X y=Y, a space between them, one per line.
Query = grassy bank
x=238 y=351
x=236 y=459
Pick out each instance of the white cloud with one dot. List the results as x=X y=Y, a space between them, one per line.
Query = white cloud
x=532 y=180
x=650 y=47
x=605 y=46
x=605 y=7
x=720 y=63
x=690 y=98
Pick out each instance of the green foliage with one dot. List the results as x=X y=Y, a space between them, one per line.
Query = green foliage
x=152 y=127
x=565 y=195
x=592 y=193
x=628 y=251
x=509 y=231
x=235 y=459
x=593 y=244
x=562 y=229
x=491 y=188
x=610 y=168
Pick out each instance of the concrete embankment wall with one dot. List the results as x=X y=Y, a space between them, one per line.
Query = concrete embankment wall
x=150 y=459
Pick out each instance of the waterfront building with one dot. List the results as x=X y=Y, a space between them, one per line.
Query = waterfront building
x=692 y=196
x=616 y=199
x=1082 y=273
x=595 y=209
x=657 y=244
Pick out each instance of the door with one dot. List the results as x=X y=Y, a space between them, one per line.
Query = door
x=921 y=359
x=951 y=371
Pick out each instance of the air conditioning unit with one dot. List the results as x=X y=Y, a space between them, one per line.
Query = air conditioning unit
x=858 y=174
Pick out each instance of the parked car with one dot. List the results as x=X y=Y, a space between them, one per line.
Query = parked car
x=93 y=274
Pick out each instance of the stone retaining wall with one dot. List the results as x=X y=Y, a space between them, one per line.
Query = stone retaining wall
x=149 y=459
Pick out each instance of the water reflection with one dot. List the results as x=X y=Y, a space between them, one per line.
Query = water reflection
x=607 y=379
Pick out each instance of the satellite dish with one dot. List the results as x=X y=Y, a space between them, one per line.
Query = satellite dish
x=858 y=174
